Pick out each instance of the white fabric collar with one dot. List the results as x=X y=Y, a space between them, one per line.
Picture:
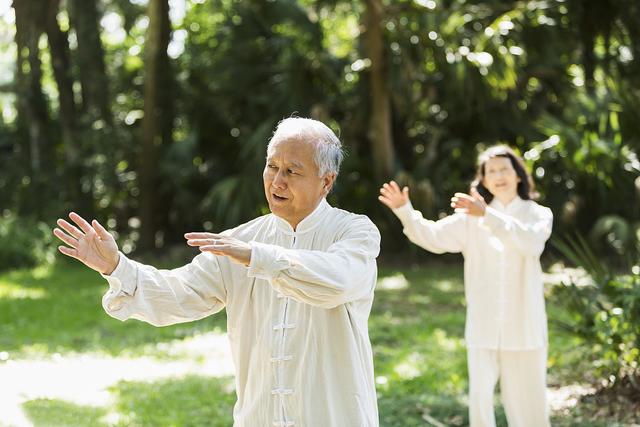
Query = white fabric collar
x=308 y=223
x=513 y=206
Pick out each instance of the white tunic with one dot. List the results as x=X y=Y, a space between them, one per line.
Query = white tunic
x=296 y=317
x=502 y=274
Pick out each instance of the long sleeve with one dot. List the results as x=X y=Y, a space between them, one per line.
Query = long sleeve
x=345 y=272
x=446 y=235
x=528 y=238
x=165 y=297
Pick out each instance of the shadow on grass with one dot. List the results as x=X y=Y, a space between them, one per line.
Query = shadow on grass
x=58 y=309
x=193 y=401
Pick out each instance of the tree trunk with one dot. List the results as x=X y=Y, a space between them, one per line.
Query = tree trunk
x=380 y=124
x=68 y=116
x=33 y=114
x=157 y=121
x=93 y=78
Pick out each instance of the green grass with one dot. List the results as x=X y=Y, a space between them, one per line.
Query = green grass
x=57 y=309
x=416 y=328
x=184 y=402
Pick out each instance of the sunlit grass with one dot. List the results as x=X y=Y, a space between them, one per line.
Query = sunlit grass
x=61 y=311
x=179 y=402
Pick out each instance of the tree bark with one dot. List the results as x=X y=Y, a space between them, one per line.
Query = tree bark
x=68 y=114
x=157 y=121
x=93 y=78
x=33 y=115
x=380 y=124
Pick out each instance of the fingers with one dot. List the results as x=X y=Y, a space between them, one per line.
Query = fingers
x=69 y=228
x=102 y=232
x=475 y=194
x=461 y=202
x=65 y=238
x=82 y=223
x=201 y=242
x=393 y=189
x=386 y=201
x=217 y=248
x=68 y=251
x=463 y=196
x=201 y=235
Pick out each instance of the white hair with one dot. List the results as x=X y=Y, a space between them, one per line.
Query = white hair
x=328 y=148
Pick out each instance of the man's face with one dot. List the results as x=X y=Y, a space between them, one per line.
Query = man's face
x=500 y=178
x=291 y=182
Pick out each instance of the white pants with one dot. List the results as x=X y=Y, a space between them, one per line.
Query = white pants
x=523 y=386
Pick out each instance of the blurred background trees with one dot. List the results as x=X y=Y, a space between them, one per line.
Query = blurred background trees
x=153 y=115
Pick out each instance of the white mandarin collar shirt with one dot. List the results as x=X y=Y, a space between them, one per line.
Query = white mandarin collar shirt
x=502 y=274
x=296 y=317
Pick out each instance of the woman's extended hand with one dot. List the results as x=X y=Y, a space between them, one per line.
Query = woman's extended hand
x=392 y=196
x=471 y=204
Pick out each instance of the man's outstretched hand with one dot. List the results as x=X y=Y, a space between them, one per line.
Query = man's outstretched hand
x=234 y=249
x=91 y=244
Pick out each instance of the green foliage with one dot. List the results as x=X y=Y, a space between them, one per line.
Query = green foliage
x=24 y=242
x=554 y=79
x=590 y=159
x=605 y=313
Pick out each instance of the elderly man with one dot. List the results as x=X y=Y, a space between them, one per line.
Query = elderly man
x=297 y=284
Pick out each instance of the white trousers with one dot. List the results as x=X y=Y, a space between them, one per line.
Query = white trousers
x=523 y=386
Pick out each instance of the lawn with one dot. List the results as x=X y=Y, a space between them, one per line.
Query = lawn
x=145 y=376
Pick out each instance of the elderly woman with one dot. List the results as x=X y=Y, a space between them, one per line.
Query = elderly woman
x=501 y=233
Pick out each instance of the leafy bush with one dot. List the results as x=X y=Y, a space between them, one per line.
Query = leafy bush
x=24 y=242
x=604 y=312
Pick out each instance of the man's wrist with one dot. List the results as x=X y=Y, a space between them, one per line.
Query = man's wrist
x=113 y=266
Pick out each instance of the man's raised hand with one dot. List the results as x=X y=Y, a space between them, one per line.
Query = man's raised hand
x=90 y=244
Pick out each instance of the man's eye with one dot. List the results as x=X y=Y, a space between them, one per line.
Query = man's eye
x=272 y=166
x=291 y=171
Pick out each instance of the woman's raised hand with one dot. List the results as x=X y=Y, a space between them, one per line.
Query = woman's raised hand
x=90 y=244
x=392 y=196
x=471 y=204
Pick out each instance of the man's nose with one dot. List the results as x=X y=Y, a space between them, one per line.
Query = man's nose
x=279 y=180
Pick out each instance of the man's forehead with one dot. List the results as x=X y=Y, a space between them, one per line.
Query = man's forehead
x=298 y=153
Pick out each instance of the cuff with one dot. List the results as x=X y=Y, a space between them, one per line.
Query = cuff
x=124 y=277
x=266 y=261
x=404 y=211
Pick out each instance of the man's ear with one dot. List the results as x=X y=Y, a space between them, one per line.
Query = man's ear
x=327 y=182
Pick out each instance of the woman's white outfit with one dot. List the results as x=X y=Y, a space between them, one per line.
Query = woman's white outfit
x=506 y=325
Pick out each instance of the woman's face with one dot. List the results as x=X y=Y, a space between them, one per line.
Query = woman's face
x=500 y=178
